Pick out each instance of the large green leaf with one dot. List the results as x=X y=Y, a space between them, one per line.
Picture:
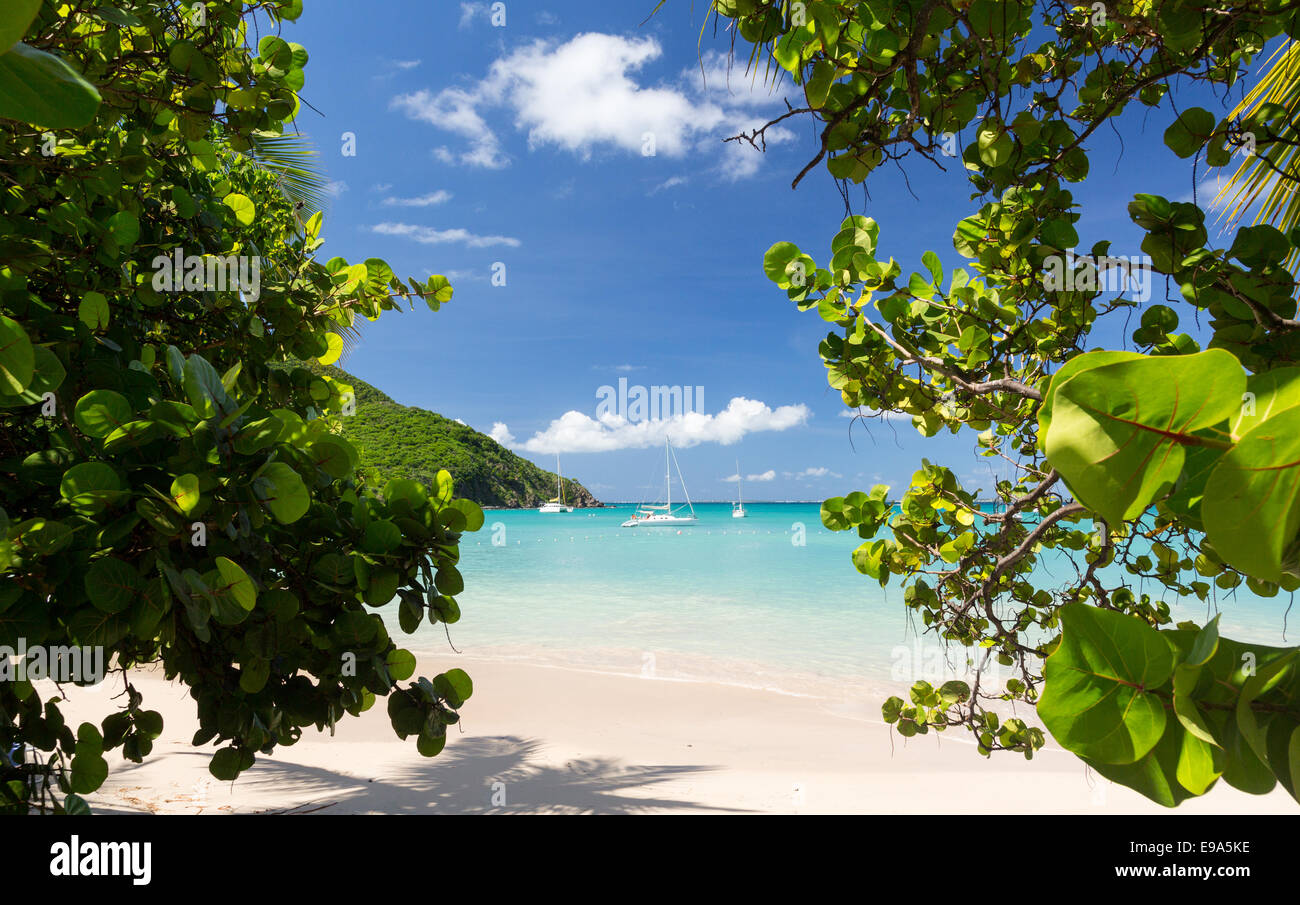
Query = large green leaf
x=1251 y=508
x=286 y=495
x=1117 y=432
x=17 y=359
x=1155 y=774
x=39 y=88
x=1097 y=699
x=15 y=18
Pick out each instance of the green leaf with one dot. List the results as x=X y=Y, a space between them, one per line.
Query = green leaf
x=124 y=227
x=1251 y=507
x=185 y=492
x=225 y=764
x=1117 y=432
x=1096 y=699
x=242 y=207
x=460 y=682
x=93 y=310
x=994 y=143
x=39 y=88
x=335 y=349
x=88 y=773
x=237 y=584
x=90 y=487
x=401 y=664
x=1204 y=645
x=17 y=359
x=15 y=19
x=287 y=495
x=331 y=455
x=438 y=290
x=100 y=412
x=112 y=585
x=1153 y=775
x=1190 y=131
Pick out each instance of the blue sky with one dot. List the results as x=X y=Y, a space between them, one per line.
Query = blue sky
x=478 y=146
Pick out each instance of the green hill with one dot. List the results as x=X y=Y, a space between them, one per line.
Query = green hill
x=407 y=442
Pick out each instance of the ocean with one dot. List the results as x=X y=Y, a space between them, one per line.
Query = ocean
x=770 y=601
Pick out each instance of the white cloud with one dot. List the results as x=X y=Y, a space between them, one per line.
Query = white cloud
x=575 y=432
x=335 y=188
x=454 y=109
x=874 y=413
x=471 y=11
x=404 y=65
x=426 y=235
x=670 y=183
x=458 y=421
x=501 y=434
x=589 y=93
x=768 y=475
x=439 y=197
x=814 y=472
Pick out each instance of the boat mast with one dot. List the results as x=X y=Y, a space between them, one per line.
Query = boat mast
x=668 y=479
x=739 y=498
x=559 y=480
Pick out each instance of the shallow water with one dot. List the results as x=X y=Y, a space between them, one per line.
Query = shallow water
x=771 y=600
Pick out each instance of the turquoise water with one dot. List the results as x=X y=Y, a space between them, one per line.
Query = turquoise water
x=771 y=600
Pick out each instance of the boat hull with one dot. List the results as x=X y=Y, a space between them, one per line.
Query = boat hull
x=661 y=522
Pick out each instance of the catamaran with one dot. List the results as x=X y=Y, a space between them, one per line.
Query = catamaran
x=557 y=504
x=662 y=516
x=738 y=507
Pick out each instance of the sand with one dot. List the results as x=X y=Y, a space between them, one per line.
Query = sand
x=544 y=740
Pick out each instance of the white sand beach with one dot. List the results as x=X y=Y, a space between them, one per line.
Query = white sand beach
x=541 y=740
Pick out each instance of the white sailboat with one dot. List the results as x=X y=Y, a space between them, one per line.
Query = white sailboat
x=662 y=516
x=738 y=507
x=557 y=504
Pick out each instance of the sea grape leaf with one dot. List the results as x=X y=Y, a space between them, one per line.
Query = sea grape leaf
x=287 y=495
x=1251 y=507
x=39 y=88
x=1117 y=432
x=1096 y=701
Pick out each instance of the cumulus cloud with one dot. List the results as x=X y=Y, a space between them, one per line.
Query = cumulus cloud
x=335 y=187
x=439 y=197
x=501 y=434
x=427 y=235
x=591 y=93
x=575 y=432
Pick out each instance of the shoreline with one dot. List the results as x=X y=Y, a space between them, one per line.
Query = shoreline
x=554 y=739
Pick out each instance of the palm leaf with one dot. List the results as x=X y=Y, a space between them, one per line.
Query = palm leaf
x=296 y=165
x=1271 y=176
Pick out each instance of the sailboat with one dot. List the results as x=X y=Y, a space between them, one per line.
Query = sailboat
x=557 y=504
x=662 y=516
x=738 y=507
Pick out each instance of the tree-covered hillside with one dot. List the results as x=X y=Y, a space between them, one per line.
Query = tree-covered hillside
x=408 y=442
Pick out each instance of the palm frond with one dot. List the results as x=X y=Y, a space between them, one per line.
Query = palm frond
x=1271 y=176
x=296 y=164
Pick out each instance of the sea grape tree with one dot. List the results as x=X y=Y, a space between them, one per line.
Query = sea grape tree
x=1143 y=462
x=174 y=486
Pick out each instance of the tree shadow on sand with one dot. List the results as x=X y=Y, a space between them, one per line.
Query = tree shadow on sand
x=491 y=775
